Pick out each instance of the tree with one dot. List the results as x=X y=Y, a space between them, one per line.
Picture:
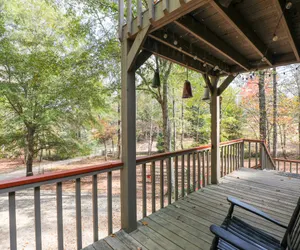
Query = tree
x=262 y=106
x=274 y=113
x=49 y=80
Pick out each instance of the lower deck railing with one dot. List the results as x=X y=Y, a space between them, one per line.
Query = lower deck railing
x=161 y=180
x=286 y=165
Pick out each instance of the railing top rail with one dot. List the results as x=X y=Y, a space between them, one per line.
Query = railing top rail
x=58 y=175
x=157 y=157
x=253 y=140
x=286 y=160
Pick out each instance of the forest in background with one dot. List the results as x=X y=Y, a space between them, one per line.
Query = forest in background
x=60 y=90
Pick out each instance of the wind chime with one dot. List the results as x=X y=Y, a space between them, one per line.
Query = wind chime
x=206 y=95
x=156 y=79
x=187 y=87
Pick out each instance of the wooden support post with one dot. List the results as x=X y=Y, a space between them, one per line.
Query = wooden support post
x=128 y=172
x=215 y=132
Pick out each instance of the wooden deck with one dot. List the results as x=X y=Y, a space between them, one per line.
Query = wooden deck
x=185 y=223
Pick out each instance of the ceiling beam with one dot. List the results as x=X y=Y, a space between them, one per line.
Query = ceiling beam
x=236 y=20
x=287 y=26
x=201 y=32
x=172 y=55
x=188 y=49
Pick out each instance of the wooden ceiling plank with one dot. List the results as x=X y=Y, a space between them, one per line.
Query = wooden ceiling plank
x=172 y=55
x=190 y=50
x=280 y=7
x=235 y=19
x=200 y=31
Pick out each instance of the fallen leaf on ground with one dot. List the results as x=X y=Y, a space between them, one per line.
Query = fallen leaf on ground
x=144 y=223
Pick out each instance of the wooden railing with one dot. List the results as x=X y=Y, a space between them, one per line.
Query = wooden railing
x=58 y=178
x=286 y=165
x=161 y=180
x=257 y=155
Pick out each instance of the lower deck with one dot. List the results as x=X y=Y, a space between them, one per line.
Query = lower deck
x=185 y=223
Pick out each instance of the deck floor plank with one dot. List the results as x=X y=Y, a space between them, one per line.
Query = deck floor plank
x=185 y=223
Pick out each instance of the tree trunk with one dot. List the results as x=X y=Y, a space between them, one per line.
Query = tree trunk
x=105 y=150
x=274 y=114
x=165 y=113
x=262 y=106
x=29 y=150
x=119 y=131
x=150 y=137
x=182 y=125
x=174 y=123
x=113 y=146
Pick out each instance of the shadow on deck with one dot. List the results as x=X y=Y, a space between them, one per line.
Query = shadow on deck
x=185 y=223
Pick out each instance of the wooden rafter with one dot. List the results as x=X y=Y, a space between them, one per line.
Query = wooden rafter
x=189 y=49
x=235 y=19
x=170 y=54
x=201 y=32
x=285 y=22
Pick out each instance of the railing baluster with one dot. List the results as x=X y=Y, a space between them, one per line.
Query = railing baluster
x=95 y=207
x=297 y=168
x=162 y=183
x=194 y=171
x=169 y=181
x=225 y=160
x=153 y=186
x=233 y=157
x=291 y=167
x=129 y=16
x=284 y=166
x=37 y=218
x=228 y=159
x=109 y=203
x=78 y=215
x=203 y=169
x=151 y=9
x=182 y=176
x=188 y=174
x=12 y=220
x=256 y=154
x=144 y=190
x=60 y=237
x=121 y=18
x=222 y=166
x=176 y=178
x=249 y=163
x=208 y=169
x=199 y=170
x=139 y=14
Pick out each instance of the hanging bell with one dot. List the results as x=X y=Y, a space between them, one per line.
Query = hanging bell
x=187 y=90
x=206 y=96
x=156 y=80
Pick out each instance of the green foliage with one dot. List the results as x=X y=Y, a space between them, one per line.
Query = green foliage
x=49 y=79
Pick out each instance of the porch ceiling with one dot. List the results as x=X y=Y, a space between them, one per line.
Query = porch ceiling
x=237 y=38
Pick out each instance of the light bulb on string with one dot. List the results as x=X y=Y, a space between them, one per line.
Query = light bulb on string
x=204 y=65
x=165 y=36
x=175 y=42
x=288 y=5
x=275 y=38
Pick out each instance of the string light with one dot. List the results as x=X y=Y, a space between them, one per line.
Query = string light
x=216 y=68
x=204 y=65
x=175 y=42
x=165 y=36
x=275 y=37
x=195 y=58
x=288 y=5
